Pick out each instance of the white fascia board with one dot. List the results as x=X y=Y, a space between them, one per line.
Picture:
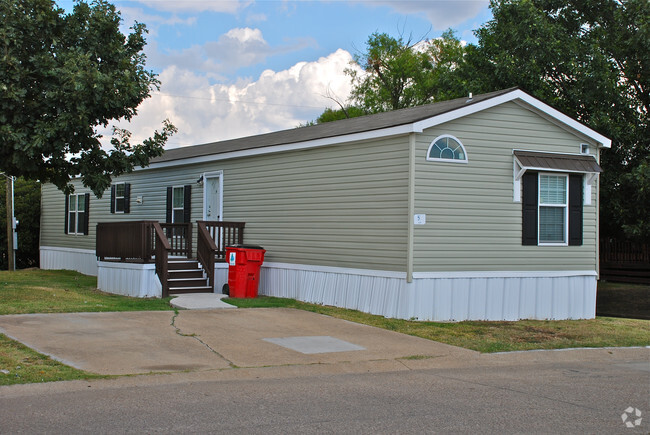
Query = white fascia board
x=517 y=94
x=332 y=269
x=124 y=265
x=505 y=274
x=335 y=140
x=62 y=249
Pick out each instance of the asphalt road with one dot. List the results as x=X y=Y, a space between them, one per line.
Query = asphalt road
x=537 y=397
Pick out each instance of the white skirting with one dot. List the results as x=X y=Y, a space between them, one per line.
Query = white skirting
x=467 y=296
x=128 y=279
x=56 y=258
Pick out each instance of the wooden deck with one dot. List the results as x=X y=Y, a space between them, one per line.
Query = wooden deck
x=155 y=242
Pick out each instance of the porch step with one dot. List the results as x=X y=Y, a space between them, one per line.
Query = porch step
x=185 y=273
x=187 y=282
x=186 y=276
x=181 y=290
x=183 y=264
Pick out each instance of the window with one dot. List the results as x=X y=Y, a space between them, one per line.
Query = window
x=76 y=216
x=553 y=208
x=178 y=204
x=120 y=198
x=448 y=149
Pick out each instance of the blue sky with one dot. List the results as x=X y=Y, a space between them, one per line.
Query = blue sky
x=239 y=68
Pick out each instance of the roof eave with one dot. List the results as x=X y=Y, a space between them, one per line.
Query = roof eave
x=516 y=94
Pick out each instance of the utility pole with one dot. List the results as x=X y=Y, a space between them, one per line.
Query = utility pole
x=11 y=266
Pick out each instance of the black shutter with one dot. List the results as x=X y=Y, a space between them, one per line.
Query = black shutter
x=112 y=198
x=127 y=197
x=86 y=214
x=575 y=209
x=67 y=205
x=168 y=215
x=187 y=206
x=529 y=209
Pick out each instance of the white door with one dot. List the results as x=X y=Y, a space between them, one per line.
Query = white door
x=212 y=199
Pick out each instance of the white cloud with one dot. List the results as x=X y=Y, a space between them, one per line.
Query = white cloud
x=153 y=22
x=226 y=6
x=441 y=13
x=277 y=100
x=239 y=47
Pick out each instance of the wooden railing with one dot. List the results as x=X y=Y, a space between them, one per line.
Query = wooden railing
x=224 y=234
x=211 y=241
x=126 y=241
x=206 y=250
x=179 y=237
x=162 y=250
x=135 y=241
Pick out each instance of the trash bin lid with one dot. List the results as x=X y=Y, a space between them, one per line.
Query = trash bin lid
x=242 y=246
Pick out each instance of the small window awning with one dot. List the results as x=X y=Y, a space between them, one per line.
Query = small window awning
x=555 y=162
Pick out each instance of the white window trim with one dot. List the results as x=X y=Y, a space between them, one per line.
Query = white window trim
x=116 y=198
x=176 y=208
x=437 y=159
x=565 y=205
x=205 y=176
x=76 y=214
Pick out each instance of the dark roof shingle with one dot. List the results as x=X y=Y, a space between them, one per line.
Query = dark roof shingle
x=330 y=129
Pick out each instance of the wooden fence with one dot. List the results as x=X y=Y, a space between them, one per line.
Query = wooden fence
x=624 y=261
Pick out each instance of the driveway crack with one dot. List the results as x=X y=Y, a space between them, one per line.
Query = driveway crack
x=197 y=338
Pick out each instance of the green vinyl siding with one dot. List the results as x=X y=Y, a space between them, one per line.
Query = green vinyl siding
x=472 y=223
x=342 y=206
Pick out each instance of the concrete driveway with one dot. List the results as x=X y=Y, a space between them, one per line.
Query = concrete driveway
x=161 y=341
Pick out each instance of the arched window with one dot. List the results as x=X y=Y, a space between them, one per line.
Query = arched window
x=448 y=149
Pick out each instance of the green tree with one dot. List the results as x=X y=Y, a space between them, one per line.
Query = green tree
x=591 y=60
x=27 y=209
x=61 y=77
x=397 y=73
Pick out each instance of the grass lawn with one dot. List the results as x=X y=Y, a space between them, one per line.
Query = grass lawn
x=53 y=291
x=63 y=291
x=490 y=336
x=21 y=365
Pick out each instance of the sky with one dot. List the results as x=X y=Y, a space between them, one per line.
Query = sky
x=239 y=68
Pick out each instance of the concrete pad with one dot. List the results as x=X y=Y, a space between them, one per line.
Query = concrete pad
x=112 y=343
x=311 y=345
x=238 y=335
x=199 y=340
x=200 y=301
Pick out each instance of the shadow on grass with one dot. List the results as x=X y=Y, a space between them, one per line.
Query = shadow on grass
x=623 y=300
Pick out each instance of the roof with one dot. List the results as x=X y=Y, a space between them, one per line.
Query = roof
x=558 y=162
x=402 y=121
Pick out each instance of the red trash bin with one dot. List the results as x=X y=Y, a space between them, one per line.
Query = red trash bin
x=244 y=263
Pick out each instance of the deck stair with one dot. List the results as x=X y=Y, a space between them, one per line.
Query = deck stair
x=187 y=276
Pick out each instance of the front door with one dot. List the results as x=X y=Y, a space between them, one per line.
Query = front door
x=212 y=198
